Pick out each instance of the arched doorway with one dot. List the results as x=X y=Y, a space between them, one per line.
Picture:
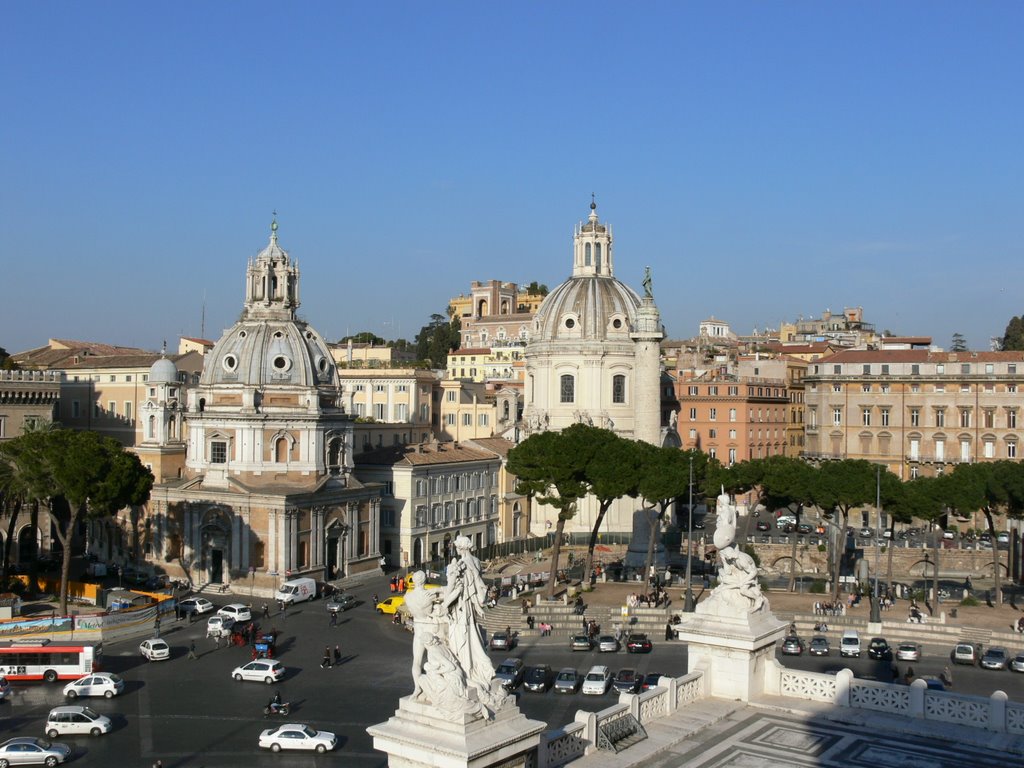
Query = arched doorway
x=28 y=545
x=215 y=547
x=417 y=552
x=335 y=535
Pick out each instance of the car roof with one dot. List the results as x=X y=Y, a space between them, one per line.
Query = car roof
x=69 y=708
x=598 y=668
x=568 y=669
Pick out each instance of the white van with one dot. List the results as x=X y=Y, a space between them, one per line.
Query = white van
x=296 y=591
x=849 y=644
x=76 y=719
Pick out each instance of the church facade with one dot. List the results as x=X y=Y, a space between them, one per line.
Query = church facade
x=258 y=487
x=594 y=357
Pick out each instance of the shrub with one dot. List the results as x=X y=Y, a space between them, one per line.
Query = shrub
x=822 y=548
x=818 y=587
x=970 y=600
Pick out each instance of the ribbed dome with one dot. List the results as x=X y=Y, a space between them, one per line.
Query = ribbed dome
x=589 y=308
x=264 y=353
x=163 y=371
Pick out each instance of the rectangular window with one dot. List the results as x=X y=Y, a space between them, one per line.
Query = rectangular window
x=691 y=391
x=713 y=453
x=915 y=388
x=965 y=369
x=380 y=411
x=712 y=390
x=218 y=452
x=482 y=420
x=885 y=370
x=1011 y=450
x=112 y=408
x=732 y=434
x=451 y=395
x=940 y=388
x=965 y=417
x=940 y=417
x=990 y=449
x=1011 y=419
x=449 y=419
x=618 y=388
x=837 y=416
x=837 y=387
x=1011 y=368
x=74 y=409
x=389 y=488
x=128 y=409
x=732 y=414
x=837 y=369
x=965 y=450
x=915 y=449
x=867 y=369
x=1011 y=388
x=812 y=417
x=467 y=419
x=865 y=387
x=915 y=370
x=940 y=450
x=990 y=418
x=693 y=434
x=693 y=414
x=734 y=391
x=713 y=414
x=359 y=409
x=885 y=417
x=402 y=412
x=113 y=377
x=567 y=388
x=712 y=434
x=989 y=368
x=865 y=417
x=940 y=369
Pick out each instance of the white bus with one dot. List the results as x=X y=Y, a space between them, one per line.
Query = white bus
x=25 y=660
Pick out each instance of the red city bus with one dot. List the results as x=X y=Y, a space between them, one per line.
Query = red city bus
x=24 y=660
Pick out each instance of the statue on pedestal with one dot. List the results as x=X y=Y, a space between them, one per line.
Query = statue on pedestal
x=738 y=592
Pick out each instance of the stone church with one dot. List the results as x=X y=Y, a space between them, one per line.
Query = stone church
x=594 y=357
x=254 y=473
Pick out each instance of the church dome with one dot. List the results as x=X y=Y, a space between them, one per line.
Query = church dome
x=163 y=371
x=588 y=308
x=269 y=346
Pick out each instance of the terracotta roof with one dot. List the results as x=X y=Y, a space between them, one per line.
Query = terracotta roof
x=499 y=445
x=424 y=453
x=800 y=349
x=920 y=356
x=122 y=361
x=905 y=340
x=58 y=352
x=204 y=342
x=476 y=351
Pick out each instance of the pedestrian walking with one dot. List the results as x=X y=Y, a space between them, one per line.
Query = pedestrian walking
x=266 y=611
x=668 y=630
x=284 y=610
x=326 y=662
x=375 y=600
x=337 y=654
x=192 y=650
x=334 y=618
x=216 y=641
x=156 y=627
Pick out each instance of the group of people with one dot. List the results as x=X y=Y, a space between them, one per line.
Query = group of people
x=1020 y=625
x=329 y=659
x=397 y=584
x=837 y=608
x=654 y=599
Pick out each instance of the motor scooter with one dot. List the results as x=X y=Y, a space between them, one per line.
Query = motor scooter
x=276 y=709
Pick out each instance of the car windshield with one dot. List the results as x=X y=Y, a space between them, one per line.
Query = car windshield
x=89 y=713
x=310 y=733
x=996 y=653
x=506 y=669
x=595 y=676
x=566 y=675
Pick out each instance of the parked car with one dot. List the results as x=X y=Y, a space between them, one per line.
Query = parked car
x=948 y=535
x=196 y=605
x=908 y=652
x=627 y=681
x=339 y=602
x=818 y=646
x=597 y=681
x=849 y=644
x=75 y=720
x=158 y=582
x=261 y=671
x=764 y=525
x=26 y=750
x=297 y=736
x=156 y=649
x=97 y=684
x=1017 y=663
x=238 y=612
x=792 y=646
x=638 y=644
x=537 y=678
x=879 y=649
x=607 y=644
x=804 y=528
x=651 y=680
x=510 y=672
x=580 y=643
x=995 y=658
x=567 y=681
x=501 y=641
x=966 y=653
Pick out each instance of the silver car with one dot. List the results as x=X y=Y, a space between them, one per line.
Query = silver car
x=567 y=681
x=26 y=750
x=1017 y=663
x=607 y=644
x=995 y=658
x=908 y=652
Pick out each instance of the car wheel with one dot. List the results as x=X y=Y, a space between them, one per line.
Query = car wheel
x=50 y=676
x=72 y=694
x=275 y=747
x=321 y=748
x=52 y=734
x=50 y=762
x=269 y=680
x=108 y=694
x=4 y=763
x=380 y=611
x=238 y=678
x=93 y=732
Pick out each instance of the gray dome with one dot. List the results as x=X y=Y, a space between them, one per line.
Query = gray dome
x=163 y=371
x=264 y=353
x=587 y=308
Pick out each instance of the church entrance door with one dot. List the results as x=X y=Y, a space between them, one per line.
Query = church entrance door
x=216 y=566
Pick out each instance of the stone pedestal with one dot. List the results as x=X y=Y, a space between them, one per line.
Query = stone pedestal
x=416 y=738
x=732 y=651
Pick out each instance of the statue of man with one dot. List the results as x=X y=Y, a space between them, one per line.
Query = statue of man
x=423 y=605
x=648 y=284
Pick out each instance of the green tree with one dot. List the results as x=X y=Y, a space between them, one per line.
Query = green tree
x=843 y=485
x=958 y=343
x=784 y=483
x=1013 y=336
x=903 y=502
x=364 y=337
x=547 y=471
x=537 y=289
x=437 y=338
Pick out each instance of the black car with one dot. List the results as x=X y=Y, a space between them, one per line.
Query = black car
x=651 y=680
x=879 y=649
x=764 y=525
x=627 y=681
x=638 y=644
x=537 y=678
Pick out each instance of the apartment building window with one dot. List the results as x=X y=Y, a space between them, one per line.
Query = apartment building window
x=713 y=453
x=618 y=388
x=567 y=388
x=712 y=390
x=75 y=407
x=885 y=417
x=812 y=417
x=460 y=510
x=965 y=417
x=467 y=419
x=990 y=449
x=482 y=420
x=380 y=388
x=915 y=448
x=867 y=369
x=940 y=417
x=940 y=450
x=713 y=414
x=885 y=370
x=693 y=434
x=837 y=416
x=965 y=369
x=837 y=369
x=113 y=377
x=359 y=409
x=732 y=455
x=402 y=412
x=691 y=391
x=451 y=395
x=915 y=370
x=885 y=389
x=449 y=419
x=435 y=514
x=1011 y=368
x=989 y=418
x=1011 y=450
x=1011 y=388
x=865 y=387
x=965 y=387
x=218 y=452
x=436 y=484
x=387 y=517
x=940 y=388
x=1011 y=418
x=380 y=411
x=915 y=388
x=865 y=417
x=837 y=387
x=734 y=391
x=693 y=414
x=712 y=434
x=940 y=369
x=401 y=388
x=915 y=472
x=127 y=409
x=421 y=487
x=989 y=368
x=965 y=450
x=732 y=434
x=732 y=414
x=421 y=515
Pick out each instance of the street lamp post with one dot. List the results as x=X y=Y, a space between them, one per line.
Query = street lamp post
x=876 y=614
x=688 y=603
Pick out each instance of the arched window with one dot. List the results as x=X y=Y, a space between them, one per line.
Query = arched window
x=597 y=255
x=618 y=388
x=504 y=410
x=567 y=389
x=281 y=450
x=586 y=254
x=173 y=428
x=150 y=426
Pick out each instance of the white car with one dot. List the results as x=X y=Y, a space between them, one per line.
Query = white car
x=297 y=736
x=261 y=671
x=236 y=612
x=218 y=626
x=597 y=681
x=96 y=684
x=196 y=605
x=76 y=720
x=156 y=649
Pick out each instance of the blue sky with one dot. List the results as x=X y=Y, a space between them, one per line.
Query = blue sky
x=767 y=160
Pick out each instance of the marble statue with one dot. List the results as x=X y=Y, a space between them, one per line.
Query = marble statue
x=738 y=591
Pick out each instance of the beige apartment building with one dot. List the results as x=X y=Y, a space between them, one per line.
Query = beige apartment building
x=392 y=406
x=917 y=412
x=27 y=399
x=468 y=410
x=504 y=360
x=494 y=311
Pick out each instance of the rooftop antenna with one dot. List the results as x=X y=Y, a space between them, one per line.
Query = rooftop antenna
x=202 y=320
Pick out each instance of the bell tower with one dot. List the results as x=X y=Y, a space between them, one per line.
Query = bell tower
x=272 y=283
x=592 y=247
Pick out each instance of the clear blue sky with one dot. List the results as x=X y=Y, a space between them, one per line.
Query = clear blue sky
x=766 y=159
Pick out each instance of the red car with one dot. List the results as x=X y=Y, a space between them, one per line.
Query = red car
x=638 y=644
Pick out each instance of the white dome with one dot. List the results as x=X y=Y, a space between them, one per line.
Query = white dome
x=592 y=308
x=264 y=353
x=163 y=371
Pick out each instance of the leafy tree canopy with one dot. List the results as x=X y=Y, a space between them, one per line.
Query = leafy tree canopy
x=364 y=337
x=1013 y=336
x=437 y=338
x=535 y=289
x=958 y=343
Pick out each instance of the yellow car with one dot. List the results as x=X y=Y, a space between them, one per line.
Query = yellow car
x=427 y=585
x=390 y=604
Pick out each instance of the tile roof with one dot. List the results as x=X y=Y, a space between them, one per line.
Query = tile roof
x=424 y=453
x=920 y=356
